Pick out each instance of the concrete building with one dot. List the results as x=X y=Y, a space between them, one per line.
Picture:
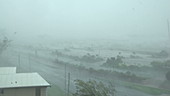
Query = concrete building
x=23 y=84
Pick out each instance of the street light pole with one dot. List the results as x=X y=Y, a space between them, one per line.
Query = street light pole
x=168 y=28
x=68 y=85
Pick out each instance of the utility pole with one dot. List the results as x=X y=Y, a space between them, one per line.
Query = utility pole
x=65 y=82
x=29 y=63
x=19 y=61
x=168 y=28
x=68 y=84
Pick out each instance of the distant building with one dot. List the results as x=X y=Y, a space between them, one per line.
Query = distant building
x=23 y=84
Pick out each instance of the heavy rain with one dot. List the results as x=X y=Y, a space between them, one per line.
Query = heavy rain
x=86 y=47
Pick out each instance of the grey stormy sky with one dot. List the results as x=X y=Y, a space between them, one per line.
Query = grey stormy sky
x=86 y=18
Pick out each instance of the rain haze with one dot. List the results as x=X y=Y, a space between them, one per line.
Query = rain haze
x=100 y=19
x=84 y=39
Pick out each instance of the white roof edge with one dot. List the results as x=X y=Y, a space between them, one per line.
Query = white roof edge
x=25 y=86
x=24 y=80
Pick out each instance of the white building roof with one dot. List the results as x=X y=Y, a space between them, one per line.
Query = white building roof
x=7 y=70
x=22 y=80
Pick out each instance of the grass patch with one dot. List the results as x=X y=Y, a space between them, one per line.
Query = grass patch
x=55 y=90
x=146 y=89
x=142 y=88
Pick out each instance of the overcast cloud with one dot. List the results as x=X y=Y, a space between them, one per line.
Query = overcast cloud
x=100 y=19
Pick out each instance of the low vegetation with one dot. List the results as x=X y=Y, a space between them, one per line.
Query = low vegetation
x=146 y=89
x=168 y=75
x=118 y=63
x=135 y=56
x=125 y=76
x=160 y=65
x=113 y=62
x=4 y=43
x=93 y=88
x=162 y=54
x=88 y=58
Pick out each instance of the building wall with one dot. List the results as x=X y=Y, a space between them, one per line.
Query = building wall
x=44 y=91
x=23 y=92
